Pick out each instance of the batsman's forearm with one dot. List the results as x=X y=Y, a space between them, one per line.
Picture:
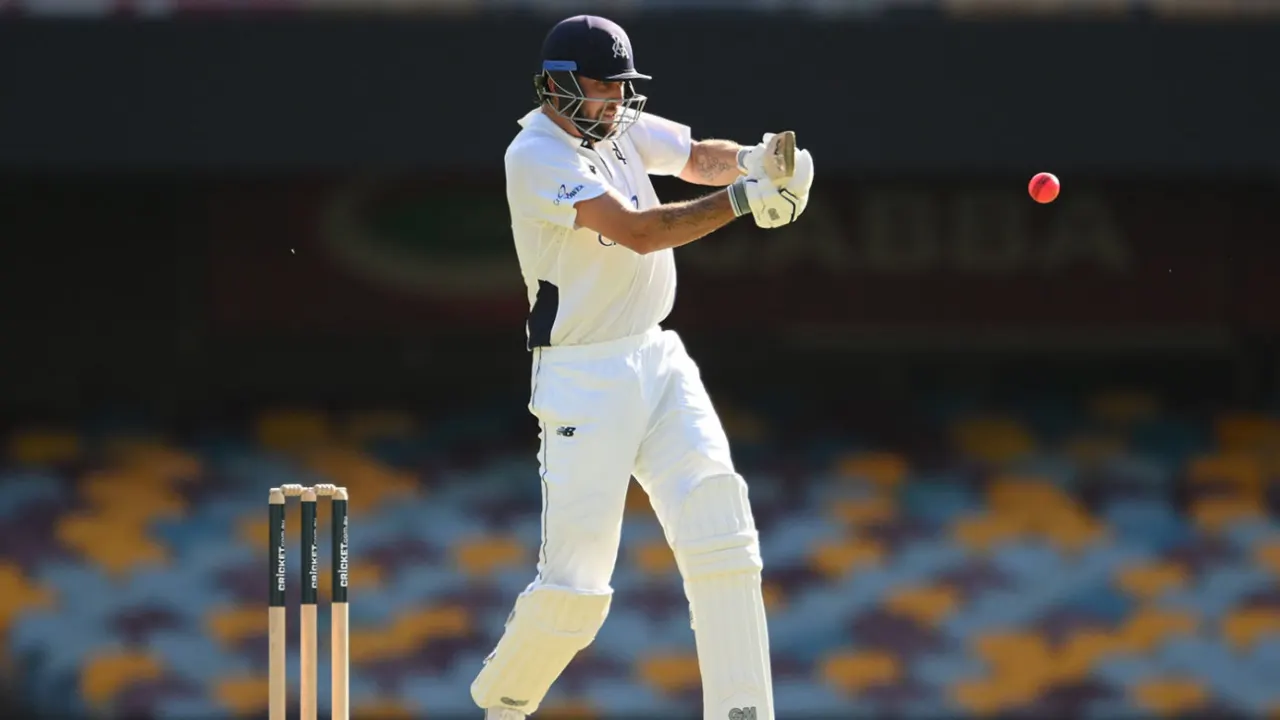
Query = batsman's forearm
x=676 y=224
x=713 y=162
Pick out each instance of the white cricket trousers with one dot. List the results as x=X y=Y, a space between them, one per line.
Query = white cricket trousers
x=609 y=411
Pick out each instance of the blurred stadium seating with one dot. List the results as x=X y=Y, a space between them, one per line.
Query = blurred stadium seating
x=1112 y=559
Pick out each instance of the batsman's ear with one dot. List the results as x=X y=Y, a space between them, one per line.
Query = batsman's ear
x=542 y=85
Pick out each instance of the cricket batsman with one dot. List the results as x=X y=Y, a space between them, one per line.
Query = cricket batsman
x=616 y=395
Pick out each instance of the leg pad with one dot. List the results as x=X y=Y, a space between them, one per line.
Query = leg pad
x=548 y=626
x=718 y=551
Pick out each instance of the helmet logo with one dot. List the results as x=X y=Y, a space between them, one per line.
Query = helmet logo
x=619 y=48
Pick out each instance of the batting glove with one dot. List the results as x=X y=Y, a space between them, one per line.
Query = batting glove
x=751 y=159
x=801 y=181
x=751 y=163
x=770 y=206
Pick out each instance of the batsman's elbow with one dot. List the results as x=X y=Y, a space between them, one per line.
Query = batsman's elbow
x=636 y=243
x=630 y=235
x=614 y=220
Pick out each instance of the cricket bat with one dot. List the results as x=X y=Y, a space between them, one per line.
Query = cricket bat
x=780 y=160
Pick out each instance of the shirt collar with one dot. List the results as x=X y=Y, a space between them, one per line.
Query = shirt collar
x=538 y=120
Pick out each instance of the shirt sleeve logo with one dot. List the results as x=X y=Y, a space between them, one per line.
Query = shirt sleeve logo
x=567 y=194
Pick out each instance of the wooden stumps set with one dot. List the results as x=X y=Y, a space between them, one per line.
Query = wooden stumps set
x=339 y=646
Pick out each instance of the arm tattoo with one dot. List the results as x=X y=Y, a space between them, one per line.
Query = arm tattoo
x=711 y=164
x=675 y=224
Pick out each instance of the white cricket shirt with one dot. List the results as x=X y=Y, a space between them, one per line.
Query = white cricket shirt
x=584 y=288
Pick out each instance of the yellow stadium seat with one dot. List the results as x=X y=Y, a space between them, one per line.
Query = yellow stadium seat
x=1247 y=433
x=927 y=605
x=1078 y=655
x=1243 y=627
x=982 y=698
x=481 y=557
x=1071 y=532
x=1244 y=473
x=1149 y=627
x=408 y=633
x=133 y=497
x=369 y=482
x=77 y=530
x=983 y=532
x=363 y=427
x=118 y=546
x=1028 y=496
x=380 y=644
x=1022 y=664
x=231 y=625
x=853 y=672
x=1009 y=653
x=867 y=511
x=1170 y=697
x=655 y=557
x=1214 y=514
x=1268 y=556
x=835 y=559
x=996 y=441
x=1024 y=683
x=17 y=596
x=135 y=505
x=151 y=456
x=105 y=675
x=125 y=553
x=882 y=469
x=44 y=447
x=242 y=696
x=672 y=673
x=294 y=430
x=448 y=621
x=1148 y=582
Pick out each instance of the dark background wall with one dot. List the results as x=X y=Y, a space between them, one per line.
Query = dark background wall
x=909 y=95
x=199 y=203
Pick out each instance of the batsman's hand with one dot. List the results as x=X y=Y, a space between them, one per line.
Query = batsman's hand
x=751 y=159
x=801 y=181
x=770 y=206
x=755 y=162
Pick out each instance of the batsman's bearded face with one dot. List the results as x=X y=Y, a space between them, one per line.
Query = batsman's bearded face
x=598 y=109
x=604 y=103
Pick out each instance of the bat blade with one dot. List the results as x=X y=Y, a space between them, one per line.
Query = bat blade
x=780 y=164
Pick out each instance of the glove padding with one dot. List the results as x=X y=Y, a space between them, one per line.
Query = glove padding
x=800 y=183
x=770 y=206
x=751 y=161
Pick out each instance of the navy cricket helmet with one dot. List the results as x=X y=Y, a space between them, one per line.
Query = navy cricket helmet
x=597 y=48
